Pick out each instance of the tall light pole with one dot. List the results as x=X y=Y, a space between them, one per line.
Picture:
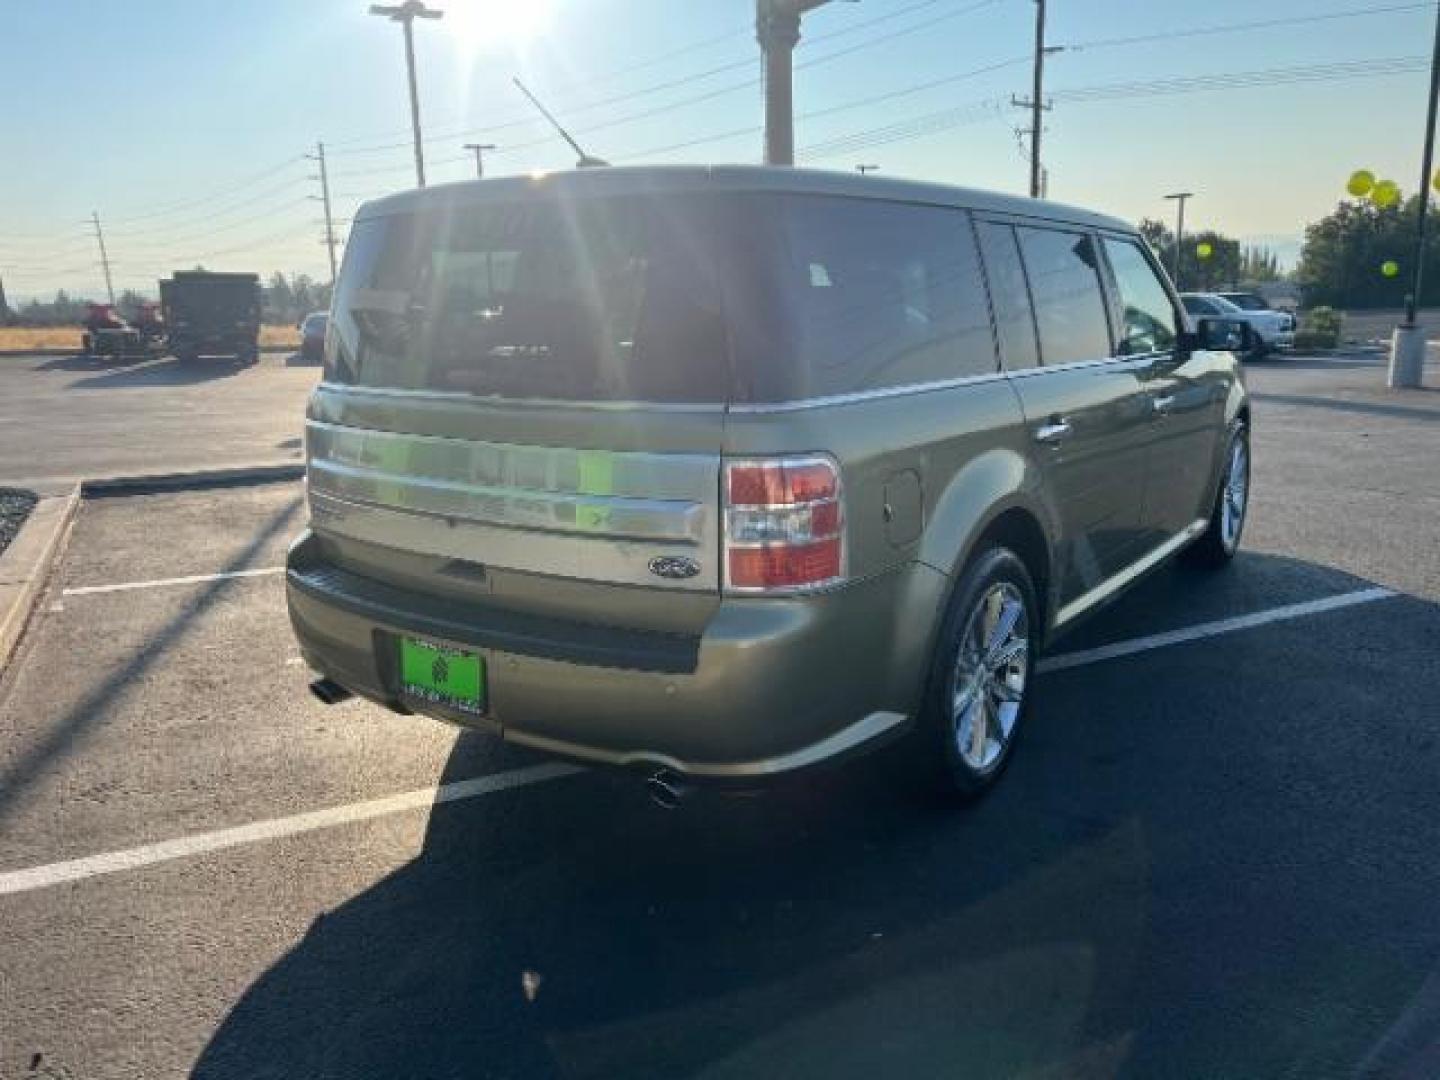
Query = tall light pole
x=1407 y=347
x=777 y=29
x=1179 y=197
x=480 y=149
x=406 y=14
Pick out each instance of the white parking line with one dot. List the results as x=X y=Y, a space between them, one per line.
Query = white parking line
x=156 y=583
x=1211 y=629
x=41 y=877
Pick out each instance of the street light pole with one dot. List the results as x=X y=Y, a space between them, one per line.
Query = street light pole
x=1425 y=172
x=863 y=169
x=406 y=14
x=480 y=149
x=777 y=29
x=1179 y=197
x=1407 y=347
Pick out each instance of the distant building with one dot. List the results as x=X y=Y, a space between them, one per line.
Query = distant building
x=1282 y=295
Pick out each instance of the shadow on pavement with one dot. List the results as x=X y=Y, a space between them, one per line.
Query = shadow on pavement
x=22 y=769
x=86 y=362
x=1178 y=876
x=1369 y=408
x=166 y=372
x=301 y=360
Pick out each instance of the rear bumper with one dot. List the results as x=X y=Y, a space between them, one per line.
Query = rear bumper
x=770 y=686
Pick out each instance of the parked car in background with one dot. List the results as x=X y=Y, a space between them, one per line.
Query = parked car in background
x=724 y=473
x=312 y=335
x=1273 y=330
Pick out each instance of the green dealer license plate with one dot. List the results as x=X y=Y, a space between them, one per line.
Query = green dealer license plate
x=441 y=675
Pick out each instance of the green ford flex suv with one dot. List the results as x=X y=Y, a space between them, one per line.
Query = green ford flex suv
x=725 y=472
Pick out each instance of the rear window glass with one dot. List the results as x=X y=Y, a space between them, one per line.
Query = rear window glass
x=602 y=299
x=879 y=295
x=1069 y=306
x=677 y=298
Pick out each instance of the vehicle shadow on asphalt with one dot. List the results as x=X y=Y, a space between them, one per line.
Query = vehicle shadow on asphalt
x=165 y=372
x=86 y=362
x=1126 y=890
x=68 y=729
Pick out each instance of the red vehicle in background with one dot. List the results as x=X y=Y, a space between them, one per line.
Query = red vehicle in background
x=107 y=334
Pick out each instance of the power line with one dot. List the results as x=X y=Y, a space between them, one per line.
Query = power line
x=1231 y=28
x=527 y=121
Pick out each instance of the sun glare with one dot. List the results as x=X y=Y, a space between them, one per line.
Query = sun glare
x=491 y=24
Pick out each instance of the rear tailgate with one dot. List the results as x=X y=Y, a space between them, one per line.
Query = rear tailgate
x=545 y=514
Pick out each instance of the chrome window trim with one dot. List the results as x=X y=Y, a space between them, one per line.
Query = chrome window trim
x=1144 y=360
x=454 y=396
x=855 y=396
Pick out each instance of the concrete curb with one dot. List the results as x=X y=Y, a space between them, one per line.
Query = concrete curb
x=25 y=565
x=200 y=480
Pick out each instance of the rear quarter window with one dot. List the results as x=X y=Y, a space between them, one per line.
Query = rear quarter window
x=877 y=295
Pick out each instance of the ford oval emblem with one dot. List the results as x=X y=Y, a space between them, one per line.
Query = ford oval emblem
x=674 y=566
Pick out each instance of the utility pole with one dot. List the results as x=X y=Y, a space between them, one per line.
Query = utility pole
x=777 y=29
x=406 y=14
x=1407 y=348
x=1037 y=103
x=104 y=258
x=1179 y=197
x=863 y=169
x=479 y=149
x=324 y=179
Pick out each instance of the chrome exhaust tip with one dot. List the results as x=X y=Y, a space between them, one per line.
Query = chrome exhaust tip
x=667 y=789
x=328 y=692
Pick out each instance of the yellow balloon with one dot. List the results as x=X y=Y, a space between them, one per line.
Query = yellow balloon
x=1362 y=181
x=1390 y=268
x=1385 y=193
x=1204 y=250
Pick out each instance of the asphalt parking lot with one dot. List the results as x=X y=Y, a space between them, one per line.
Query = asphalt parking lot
x=64 y=418
x=1215 y=854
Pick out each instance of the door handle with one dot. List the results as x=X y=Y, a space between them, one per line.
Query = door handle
x=1163 y=403
x=1054 y=432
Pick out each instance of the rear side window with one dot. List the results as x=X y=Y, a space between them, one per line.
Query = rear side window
x=1069 y=305
x=1147 y=314
x=879 y=295
x=600 y=299
x=1009 y=296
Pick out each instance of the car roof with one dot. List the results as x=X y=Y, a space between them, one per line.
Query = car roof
x=665 y=179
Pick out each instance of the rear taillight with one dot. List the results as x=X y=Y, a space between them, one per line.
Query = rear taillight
x=784 y=523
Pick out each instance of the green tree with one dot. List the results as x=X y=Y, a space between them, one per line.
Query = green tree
x=1341 y=262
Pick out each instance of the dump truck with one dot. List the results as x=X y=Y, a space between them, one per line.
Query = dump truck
x=212 y=314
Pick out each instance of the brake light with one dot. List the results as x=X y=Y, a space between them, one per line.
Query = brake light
x=784 y=523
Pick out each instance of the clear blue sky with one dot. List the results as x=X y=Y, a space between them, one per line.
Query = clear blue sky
x=182 y=121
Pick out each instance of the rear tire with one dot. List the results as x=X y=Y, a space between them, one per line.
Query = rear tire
x=1221 y=539
x=977 y=697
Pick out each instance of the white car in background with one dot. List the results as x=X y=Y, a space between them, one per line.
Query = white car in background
x=1273 y=329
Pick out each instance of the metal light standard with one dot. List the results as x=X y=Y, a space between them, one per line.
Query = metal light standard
x=777 y=29
x=1407 y=348
x=1179 y=197
x=406 y=14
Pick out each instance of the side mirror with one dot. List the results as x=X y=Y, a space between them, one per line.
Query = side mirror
x=1222 y=335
